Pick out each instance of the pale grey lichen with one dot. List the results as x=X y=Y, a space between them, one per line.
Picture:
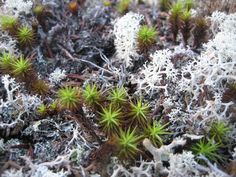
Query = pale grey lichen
x=126 y=30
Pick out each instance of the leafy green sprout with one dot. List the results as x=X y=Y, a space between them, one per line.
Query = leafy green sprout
x=107 y=3
x=118 y=96
x=188 y=4
x=186 y=16
x=38 y=10
x=208 y=149
x=53 y=106
x=68 y=98
x=146 y=36
x=42 y=109
x=21 y=66
x=185 y=25
x=128 y=143
x=123 y=5
x=6 y=61
x=155 y=131
x=110 y=119
x=8 y=22
x=174 y=18
x=165 y=5
x=219 y=131
x=139 y=111
x=177 y=9
x=25 y=35
x=91 y=94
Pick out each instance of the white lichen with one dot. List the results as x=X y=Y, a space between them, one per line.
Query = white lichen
x=182 y=165
x=125 y=31
x=15 y=7
x=57 y=75
x=7 y=43
x=155 y=75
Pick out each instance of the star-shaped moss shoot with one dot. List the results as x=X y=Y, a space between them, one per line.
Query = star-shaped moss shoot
x=107 y=3
x=199 y=31
x=8 y=22
x=6 y=61
x=188 y=4
x=123 y=6
x=209 y=149
x=155 y=131
x=110 y=119
x=25 y=35
x=146 y=37
x=68 y=98
x=40 y=87
x=42 y=109
x=219 y=131
x=39 y=9
x=128 y=143
x=165 y=5
x=139 y=111
x=91 y=94
x=175 y=12
x=118 y=96
x=21 y=67
x=185 y=26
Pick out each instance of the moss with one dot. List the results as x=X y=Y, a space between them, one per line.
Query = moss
x=68 y=98
x=175 y=12
x=25 y=36
x=6 y=61
x=21 y=67
x=139 y=111
x=146 y=37
x=91 y=94
x=110 y=119
x=8 y=23
x=155 y=131
x=123 y=6
x=209 y=149
x=128 y=143
x=185 y=26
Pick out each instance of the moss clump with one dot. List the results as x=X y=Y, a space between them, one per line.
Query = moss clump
x=68 y=98
x=40 y=87
x=128 y=143
x=110 y=119
x=146 y=37
x=118 y=96
x=209 y=149
x=123 y=6
x=185 y=26
x=155 y=131
x=165 y=5
x=39 y=9
x=107 y=3
x=25 y=36
x=6 y=61
x=91 y=94
x=188 y=4
x=199 y=31
x=175 y=12
x=21 y=67
x=9 y=23
x=139 y=112
x=219 y=131
x=42 y=109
